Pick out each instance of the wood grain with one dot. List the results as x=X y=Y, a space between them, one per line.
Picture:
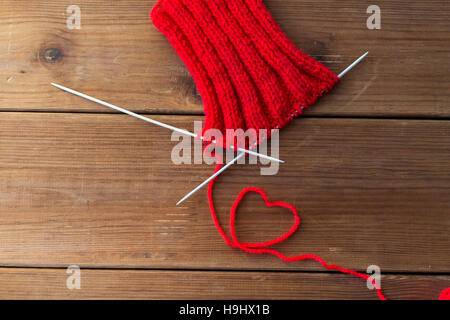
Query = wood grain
x=100 y=191
x=119 y=56
x=31 y=283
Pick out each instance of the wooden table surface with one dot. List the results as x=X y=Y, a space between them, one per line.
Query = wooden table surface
x=368 y=166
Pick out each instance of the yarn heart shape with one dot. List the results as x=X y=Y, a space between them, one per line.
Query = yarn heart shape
x=269 y=204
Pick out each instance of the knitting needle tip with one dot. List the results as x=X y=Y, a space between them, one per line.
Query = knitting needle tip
x=350 y=67
x=204 y=183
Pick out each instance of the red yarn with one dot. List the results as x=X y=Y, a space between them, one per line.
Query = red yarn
x=263 y=247
x=249 y=74
x=445 y=295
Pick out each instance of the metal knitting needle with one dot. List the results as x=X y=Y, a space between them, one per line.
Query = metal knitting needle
x=225 y=167
x=158 y=123
x=242 y=154
x=350 y=67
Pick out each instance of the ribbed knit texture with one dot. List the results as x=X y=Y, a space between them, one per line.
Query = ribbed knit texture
x=249 y=74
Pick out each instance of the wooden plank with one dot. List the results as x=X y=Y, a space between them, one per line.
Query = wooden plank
x=119 y=56
x=100 y=191
x=17 y=283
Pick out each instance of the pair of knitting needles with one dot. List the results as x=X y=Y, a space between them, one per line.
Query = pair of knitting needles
x=239 y=156
x=188 y=133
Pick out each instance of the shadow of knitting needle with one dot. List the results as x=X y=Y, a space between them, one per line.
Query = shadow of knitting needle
x=158 y=123
x=239 y=156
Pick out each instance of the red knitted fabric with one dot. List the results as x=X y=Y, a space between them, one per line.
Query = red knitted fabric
x=249 y=74
x=445 y=295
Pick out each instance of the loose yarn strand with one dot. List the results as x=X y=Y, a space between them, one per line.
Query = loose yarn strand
x=262 y=248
